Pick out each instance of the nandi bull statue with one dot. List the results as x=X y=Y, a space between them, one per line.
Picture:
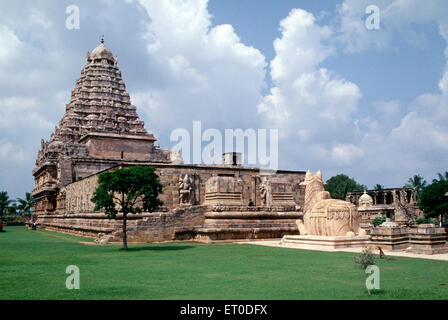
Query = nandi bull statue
x=324 y=216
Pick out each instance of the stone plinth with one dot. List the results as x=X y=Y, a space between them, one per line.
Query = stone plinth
x=428 y=239
x=327 y=241
x=389 y=236
x=241 y=222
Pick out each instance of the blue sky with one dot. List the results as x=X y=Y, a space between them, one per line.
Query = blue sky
x=368 y=103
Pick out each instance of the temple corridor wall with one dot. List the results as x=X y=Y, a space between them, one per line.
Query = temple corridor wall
x=284 y=185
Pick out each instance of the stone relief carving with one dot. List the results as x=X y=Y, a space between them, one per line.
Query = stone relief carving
x=265 y=191
x=186 y=190
x=176 y=157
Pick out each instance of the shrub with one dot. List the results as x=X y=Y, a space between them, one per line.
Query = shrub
x=365 y=258
x=378 y=220
x=423 y=220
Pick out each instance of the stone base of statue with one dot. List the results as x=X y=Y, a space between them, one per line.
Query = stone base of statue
x=335 y=242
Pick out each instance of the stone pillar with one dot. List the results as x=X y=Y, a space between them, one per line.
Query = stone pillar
x=412 y=199
x=403 y=197
x=254 y=186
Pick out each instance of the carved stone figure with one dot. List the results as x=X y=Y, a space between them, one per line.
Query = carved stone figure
x=324 y=216
x=176 y=157
x=265 y=191
x=185 y=190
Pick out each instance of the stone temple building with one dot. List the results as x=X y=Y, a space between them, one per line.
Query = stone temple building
x=101 y=130
x=397 y=204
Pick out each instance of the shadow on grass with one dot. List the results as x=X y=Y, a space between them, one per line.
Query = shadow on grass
x=158 y=248
x=378 y=293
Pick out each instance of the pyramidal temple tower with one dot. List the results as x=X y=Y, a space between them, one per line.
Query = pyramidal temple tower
x=99 y=130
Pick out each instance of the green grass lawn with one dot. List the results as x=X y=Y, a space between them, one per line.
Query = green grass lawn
x=33 y=263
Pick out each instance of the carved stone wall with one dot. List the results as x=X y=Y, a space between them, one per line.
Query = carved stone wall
x=182 y=221
x=224 y=190
x=78 y=195
x=240 y=181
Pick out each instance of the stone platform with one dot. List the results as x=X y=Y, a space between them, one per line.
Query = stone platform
x=208 y=223
x=427 y=239
x=390 y=236
x=224 y=223
x=403 y=253
x=325 y=241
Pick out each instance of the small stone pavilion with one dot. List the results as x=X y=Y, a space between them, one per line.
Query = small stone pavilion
x=397 y=204
x=101 y=130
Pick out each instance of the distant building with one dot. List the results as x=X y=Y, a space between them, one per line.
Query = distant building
x=397 y=204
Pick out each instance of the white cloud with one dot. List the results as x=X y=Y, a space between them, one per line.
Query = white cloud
x=398 y=20
x=346 y=154
x=301 y=47
x=9 y=44
x=395 y=148
x=39 y=19
x=206 y=73
x=388 y=108
x=12 y=153
x=18 y=111
x=179 y=67
x=313 y=106
x=318 y=111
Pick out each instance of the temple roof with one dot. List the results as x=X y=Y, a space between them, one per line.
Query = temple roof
x=365 y=197
x=101 y=51
x=99 y=103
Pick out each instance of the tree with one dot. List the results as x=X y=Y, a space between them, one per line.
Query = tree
x=378 y=187
x=433 y=199
x=442 y=177
x=340 y=185
x=25 y=205
x=12 y=208
x=417 y=183
x=129 y=190
x=5 y=203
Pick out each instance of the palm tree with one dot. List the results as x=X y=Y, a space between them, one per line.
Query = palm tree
x=442 y=177
x=417 y=183
x=5 y=202
x=26 y=205
x=378 y=187
x=12 y=208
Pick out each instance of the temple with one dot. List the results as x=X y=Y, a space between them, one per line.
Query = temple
x=101 y=131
